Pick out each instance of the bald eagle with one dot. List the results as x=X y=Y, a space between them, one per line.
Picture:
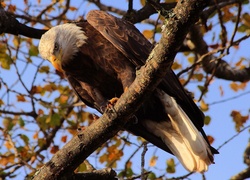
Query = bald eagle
x=99 y=58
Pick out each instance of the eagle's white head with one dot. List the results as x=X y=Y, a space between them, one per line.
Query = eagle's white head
x=61 y=43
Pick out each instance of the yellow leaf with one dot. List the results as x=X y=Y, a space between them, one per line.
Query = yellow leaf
x=238 y=86
x=103 y=158
x=8 y=145
x=152 y=161
x=203 y=105
x=143 y=2
x=16 y=41
x=176 y=65
x=148 y=34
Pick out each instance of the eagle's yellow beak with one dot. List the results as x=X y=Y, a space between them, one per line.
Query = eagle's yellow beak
x=56 y=62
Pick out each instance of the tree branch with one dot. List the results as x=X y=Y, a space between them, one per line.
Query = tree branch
x=210 y=63
x=65 y=161
x=9 y=24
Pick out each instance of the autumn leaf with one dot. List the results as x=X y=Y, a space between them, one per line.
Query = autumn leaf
x=176 y=65
x=203 y=105
x=8 y=123
x=33 y=51
x=152 y=161
x=44 y=69
x=210 y=139
x=54 y=149
x=199 y=76
x=129 y=164
x=81 y=168
x=143 y=2
x=239 y=119
x=103 y=158
x=207 y=120
x=35 y=136
x=170 y=166
x=20 y=98
x=21 y=122
x=72 y=8
x=148 y=34
x=8 y=145
x=238 y=86
x=64 y=139
x=25 y=139
x=6 y=159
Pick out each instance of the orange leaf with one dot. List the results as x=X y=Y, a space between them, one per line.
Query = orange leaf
x=239 y=119
x=4 y=160
x=35 y=136
x=54 y=149
x=210 y=139
x=148 y=34
x=64 y=139
x=129 y=164
x=21 y=98
x=8 y=145
x=32 y=160
x=238 y=86
x=152 y=161
x=71 y=8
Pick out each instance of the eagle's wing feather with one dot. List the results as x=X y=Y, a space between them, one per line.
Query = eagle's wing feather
x=125 y=37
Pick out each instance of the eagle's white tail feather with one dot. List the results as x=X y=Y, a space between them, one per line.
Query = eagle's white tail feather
x=182 y=137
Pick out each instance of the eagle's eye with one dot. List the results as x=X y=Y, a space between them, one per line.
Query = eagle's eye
x=56 y=47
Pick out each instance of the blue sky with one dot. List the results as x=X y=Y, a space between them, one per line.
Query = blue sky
x=230 y=159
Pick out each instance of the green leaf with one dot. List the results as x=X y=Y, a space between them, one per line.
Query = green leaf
x=151 y=176
x=44 y=69
x=21 y=122
x=25 y=139
x=170 y=166
x=207 y=120
x=33 y=51
x=55 y=120
x=8 y=123
x=82 y=168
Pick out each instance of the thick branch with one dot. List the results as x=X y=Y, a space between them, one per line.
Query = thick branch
x=210 y=63
x=65 y=161
x=8 y=24
x=103 y=174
